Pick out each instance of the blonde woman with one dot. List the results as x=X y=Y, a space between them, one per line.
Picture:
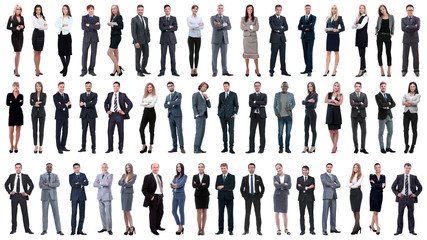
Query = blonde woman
x=126 y=182
x=282 y=184
x=116 y=24
x=334 y=25
x=16 y=25
x=361 y=26
x=333 y=114
x=149 y=116
x=355 y=183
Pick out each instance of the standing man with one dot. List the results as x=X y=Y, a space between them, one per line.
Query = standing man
x=90 y=27
x=201 y=104
x=305 y=187
x=410 y=27
x=220 y=26
x=77 y=181
x=228 y=106
x=19 y=186
x=330 y=184
x=168 y=25
x=257 y=102
x=62 y=104
x=359 y=103
x=306 y=26
x=225 y=184
x=48 y=183
x=278 y=27
x=141 y=38
x=173 y=104
x=385 y=117
x=103 y=182
x=284 y=102
x=117 y=105
x=406 y=187
x=88 y=115
x=252 y=190
x=152 y=188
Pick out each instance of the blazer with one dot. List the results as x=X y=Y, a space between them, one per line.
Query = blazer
x=356 y=106
x=61 y=111
x=104 y=186
x=307 y=27
x=310 y=105
x=124 y=102
x=201 y=190
x=278 y=28
x=228 y=107
x=378 y=184
x=260 y=103
x=414 y=102
x=27 y=184
x=334 y=24
x=174 y=104
x=278 y=104
x=329 y=186
x=78 y=183
x=117 y=30
x=200 y=105
x=410 y=31
x=245 y=27
x=281 y=188
x=149 y=188
x=140 y=34
x=180 y=184
x=245 y=188
x=88 y=108
x=399 y=184
x=225 y=193
x=90 y=34
x=12 y=23
x=382 y=113
x=168 y=33
x=127 y=187
x=50 y=190
x=305 y=194
x=38 y=111
x=390 y=24
x=220 y=32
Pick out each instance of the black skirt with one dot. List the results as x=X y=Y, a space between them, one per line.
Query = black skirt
x=64 y=44
x=202 y=202
x=17 y=41
x=375 y=200
x=333 y=42
x=114 y=41
x=355 y=199
x=38 y=40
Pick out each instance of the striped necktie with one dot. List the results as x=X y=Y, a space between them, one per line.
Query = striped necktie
x=116 y=107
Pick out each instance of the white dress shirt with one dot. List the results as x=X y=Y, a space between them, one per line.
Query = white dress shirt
x=64 y=21
x=354 y=182
x=118 y=102
x=21 y=187
x=39 y=23
x=201 y=177
x=282 y=179
x=193 y=25
x=149 y=101
x=157 y=185
x=362 y=24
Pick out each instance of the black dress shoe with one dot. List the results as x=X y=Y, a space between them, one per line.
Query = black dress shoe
x=302 y=233
x=309 y=74
x=335 y=231
x=93 y=151
x=245 y=233
x=286 y=74
x=280 y=150
x=397 y=233
x=231 y=233
x=65 y=150
x=363 y=151
x=175 y=74
x=60 y=233
x=121 y=151
x=160 y=74
x=140 y=74
x=412 y=149
x=305 y=72
x=161 y=229
x=232 y=151
x=82 y=150
x=110 y=232
x=413 y=233
x=356 y=150
x=81 y=233
x=312 y=233
x=390 y=150
x=219 y=232
x=154 y=232
x=92 y=73
x=261 y=151
x=403 y=74
x=29 y=232
x=250 y=151
x=102 y=230
x=271 y=74
x=287 y=150
x=417 y=74
x=60 y=151
x=72 y=233
x=214 y=74
x=259 y=233
x=12 y=232
x=325 y=233
x=108 y=151
x=82 y=74
x=43 y=233
x=224 y=150
x=145 y=72
x=383 y=150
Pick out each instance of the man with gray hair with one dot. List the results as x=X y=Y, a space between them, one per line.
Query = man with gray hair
x=103 y=183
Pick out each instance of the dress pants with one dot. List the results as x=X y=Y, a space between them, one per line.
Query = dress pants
x=307 y=47
x=81 y=205
x=221 y=207
x=329 y=205
x=148 y=117
x=406 y=202
x=281 y=122
x=257 y=120
x=310 y=121
x=178 y=201
x=144 y=50
x=405 y=56
x=45 y=210
x=19 y=199
x=256 y=201
x=105 y=212
x=388 y=121
x=115 y=119
x=362 y=53
x=175 y=124
x=275 y=47
x=156 y=212
x=230 y=123
x=215 y=49
x=200 y=132
x=362 y=122
x=172 y=57
x=39 y=128
x=302 y=206
x=61 y=126
x=93 y=46
x=386 y=39
x=91 y=122
x=412 y=118
x=194 y=46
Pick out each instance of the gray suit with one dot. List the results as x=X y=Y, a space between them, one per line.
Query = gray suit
x=104 y=198
x=200 y=110
x=220 y=41
x=330 y=184
x=141 y=35
x=410 y=40
x=49 y=196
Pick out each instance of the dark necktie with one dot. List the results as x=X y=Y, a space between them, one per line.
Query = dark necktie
x=116 y=107
x=62 y=95
x=252 y=184
x=226 y=95
x=410 y=20
x=88 y=94
x=170 y=97
x=143 y=24
x=220 y=18
x=48 y=177
x=305 y=179
x=306 y=18
x=18 y=185
x=160 y=183
x=167 y=19
x=358 y=96
x=385 y=97
x=223 y=178
x=406 y=185
x=103 y=176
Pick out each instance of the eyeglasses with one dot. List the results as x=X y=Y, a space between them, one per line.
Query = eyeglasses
x=170 y=86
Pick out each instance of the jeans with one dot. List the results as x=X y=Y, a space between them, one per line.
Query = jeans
x=178 y=201
x=281 y=122
x=388 y=121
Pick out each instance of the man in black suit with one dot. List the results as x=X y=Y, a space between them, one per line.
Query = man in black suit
x=117 y=105
x=62 y=104
x=228 y=106
x=225 y=184
x=90 y=26
x=385 y=117
x=19 y=186
x=168 y=25
x=410 y=27
x=305 y=186
x=141 y=38
x=278 y=27
x=359 y=103
x=406 y=187
x=152 y=188
x=88 y=115
x=257 y=102
x=306 y=26
x=77 y=181
x=252 y=190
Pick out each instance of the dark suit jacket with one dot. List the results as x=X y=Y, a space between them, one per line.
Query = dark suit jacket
x=225 y=193
x=27 y=184
x=228 y=107
x=307 y=27
x=90 y=33
x=261 y=100
x=149 y=188
x=200 y=105
x=89 y=109
x=61 y=109
x=414 y=185
x=201 y=190
x=378 y=184
x=305 y=195
x=124 y=102
x=117 y=30
x=277 y=34
x=174 y=105
x=334 y=24
x=382 y=113
x=168 y=34
x=410 y=31
x=220 y=32
x=12 y=23
x=139 y=34
x=78 y=184
x=356 y=105
x=245 y=188
x=38 y=111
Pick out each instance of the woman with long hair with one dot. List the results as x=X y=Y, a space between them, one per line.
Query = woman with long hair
x=310 y=103
x=201 y=182
x=361 y=26
x=116 y=24
x=282 y=184
x=195 y=24
x=64 y=24
x=378 y=183
x=384 y=31
x=334 y=100
x=334 y=25
x=178 y=201
x=410 y=115
x=126 y=182
x=249 y=25
x=16 y=25
x=38 y=115
x=16 y=118
x=149 y=116
x=355 y=184
x=40 y=24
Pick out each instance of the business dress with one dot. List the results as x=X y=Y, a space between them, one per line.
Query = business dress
x=178 y=200
x=410 y=28
x=103 y=183
x=78 y=200
x=152 y=188
x=252 y=190
x=355 y=192
x=49 y=197
x=310 y=119
x=257 y=102
x=330 y=184
x=148 y=117
x=201 y=193
x=225 y=199
x=362 y=38
x=194 y=39
x=173 y=105
x=410 y=116
x=64 y=35
x=281 y=192
x=61 y=116
x=116 y=32
x=376 y=194
x=306 y=26
x=281 y=102
x=126 y=191
x=16 y=117
x=17 y=36
x=19 y=183
x=278 y=27
x=306 y=200
x=168 y=39
x=333 y=114
x=90 y=39
x=141 y=35
x=200 y=111
x=385 y=117
x=220 y=41
x=333 y=38
x=38 y=116
x=88 y=115
x=384 y=30
x=358 y=103
x=250 y=39
x=38 y=33
x=228 y=106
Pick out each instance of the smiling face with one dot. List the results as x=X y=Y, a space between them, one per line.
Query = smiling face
x=285 y=87
x=250 y=10
x=38 y=10
x=61 y=88
x=18 y=11
x=140 y=11
x=278 y=11
x=334 y=10
x=357 y=87
x=116 y=87
x=383 y=11
x=226 y=87
x=49 y=168
x=355 y=168
x=279 y=170
x=251 y=169
x=64 y=11
x=362 y=10
x=412 y=88
x=128 y=168
x=149 y=88
x=15 y=87
x=377 y=169
x=178 y=168
x=307 y=10
x=38 y=87
x=88 y=87
x=329 y=168
x=203 y=88
x=167 y=11
x=18 y=168
x=383 y=87
x=410 y=11
x=171 y=87
x=195 y=10
x=224 y=169
x=201 y=168
x=104 y=168
x=336 y=87
x=305 y=171
x=310 y=88
x=114 y=10
x=257 y=87
x=220 y=10
x=90 y=11
x=76 y=169
x=407 y=169
x=155 y=168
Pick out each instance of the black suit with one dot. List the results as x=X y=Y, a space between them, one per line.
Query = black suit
x=18 y=198
x=141 y=35
x=225 y=199
x=358 y=115
x=306 y=26
x=227 y=107
x=257 y=103
x=278 y=27
x=306 y=198
x=38 y=114
x=61 y=116
x=78 y=199
x=167 y=38
x=90 y=39
x=88 y=116
x=252 y=197
x=156 y=205
x=201 y=194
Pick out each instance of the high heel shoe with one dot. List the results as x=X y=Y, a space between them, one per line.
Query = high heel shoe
x=14 y=73
x=326 y=74
x=10 y=151
x=149 y=151
x=180 y=232
x=334 y=151
x=16 y=150
x=412 y=149
x=114 y=73
x=406 y=149
x=247 y=73
x=305 y=150
x=144 y=150
x=258 y=74
x=132 y=231
x=312 y=151
x=357 y=231
x=333 y=75
x=372 y=229
x=361 y=74
x=121 y=71
x=127 y=231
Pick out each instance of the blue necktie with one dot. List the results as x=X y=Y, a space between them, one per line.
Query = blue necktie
x=49 y=177
x=223 y=178
x=385 y=97
x=252 y=184
x=410 y=20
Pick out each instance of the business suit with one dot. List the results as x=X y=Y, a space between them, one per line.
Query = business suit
x=384 y=31
x=38 y=114
x=359 y=103
x=103 y=183
x=306 y=199
x=141 y=35
x=173 y=105
x=49 y=196
x=78 y=199
x=376 y=194
x=306 y=26
x=88 y=115
x=126 y=191
x=90 y=39
x=149 y=189
x=220 y=41
x=385 y=117
x=200 y=111
x=18 y=198
x=278 y=27
x=17 y=35
x=257 y=102
x=400 y=186
x=333 y=38
x=281 y=192
x=330 y=184
x=116 y=32
x=362 y=38
x=61 y=116
x=285 y=116
x=225 y=199
x=252 y=190
x=228 y=106
x=167 y=38
x=410 y=40
x=201 y=194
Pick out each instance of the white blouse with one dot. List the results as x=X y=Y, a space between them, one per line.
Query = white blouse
x=354 y=183
x=282 y=179
x=149 y=101
x=39 y=23
x=193 y=25
x=61 y=21
x=362 y=24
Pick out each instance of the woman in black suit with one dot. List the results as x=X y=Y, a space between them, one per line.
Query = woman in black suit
x=16 y=119
x=201 y=196
x=116 y=24
x=16 y=25
x=64 y=23
x=40 y=24
x=378 y=183
x=333 y=39
x=38 y=114
x=361 y=26
x=355 y=185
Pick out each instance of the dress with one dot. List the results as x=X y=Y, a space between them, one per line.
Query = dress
x=250 y=39
x=116 y=32
x=376 y=195
x=17 y=36
x=333 y=115
x=333 y=38
x=16 y=117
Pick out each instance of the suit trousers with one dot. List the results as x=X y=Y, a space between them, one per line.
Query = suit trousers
x=45 y=208
x=362 y=53
x=257 y=120
x=93 y=46
x=329 y=205
x=175 y=124
x=276 y=47
x=148 y=117
x=310 y=121
x=156 y=212
x=406 y=202
x=388 y=121
x=19 y=199
x=143 y=51
x=307 y=47
x=194 y=46
x=115 y=119
x=281 y=122
x=105 y=212
x=172 y=57
x=386 y=39
x=200 y=132
x=74 y=205
x=178 y=201
x=221 y=207
x=411 y=118
x=302 y=206
x=215 y=49
x=256 y=201
x=39 y=128
x=362 y=122
x=415 y=56
x=61 y=126
x=230 y=123
x=91 y=122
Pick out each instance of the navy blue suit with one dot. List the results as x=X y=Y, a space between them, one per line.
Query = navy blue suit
x=306 y=25
x=278 y=27
x=61 y=116
x=173 y=104
x=225 y=199
x=78 y=198
x=227 y=108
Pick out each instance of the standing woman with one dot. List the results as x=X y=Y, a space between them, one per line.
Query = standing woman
x=116 y=24
x=333 y=38
x=178 y=201
x=410 y=115
x=201 y=182
x=384 y=31
x=355 y=184
x=361 y=26
x=40 y=24
x=249 y=26
x=378 y=183
x=16 y=25
x=16 y=119
x=126 y=182
x=195 y=24
x=310 y=103
x=149 y=116
x=282 y=184
x=333 y=114
x=64 y=24
x=38 y=115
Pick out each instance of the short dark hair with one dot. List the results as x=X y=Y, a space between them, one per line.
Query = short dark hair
x=357 y=83
x=61 y=83
x=226 y=83
x=116 y=83
x=76 y=164
x=407 y=164
x=224 y=165
x=277 y=6
x=195 y=6
x=329 y=164
x=139 y=5
x=376 y=164
x=307 y=5
x=278 y=164
x=16 y=164
x=381 y=83
x=251 y=164
x=167 y=5
x=88 y=83
x=306 y=167
x=49 y=163
x=257 y=82
x=170 y=83
x=409 y=5
x=201 y=85
x=90 y=6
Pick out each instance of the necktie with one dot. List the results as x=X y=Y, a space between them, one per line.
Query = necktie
x=330 y=175
x=170 y=97
x=410 y=20
x=385 y=97
x=48 y=177
x=62 y=95
x=406 y=185
x=18 y=185
x=305 y=178
x=143 y=22
x=226 y=95
x=358 y=95
x=252 y=184
x=160 y=183
x=103 y=176
x=306 y=18
x=116 y=107
x=167 y=19
x=223 y=178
